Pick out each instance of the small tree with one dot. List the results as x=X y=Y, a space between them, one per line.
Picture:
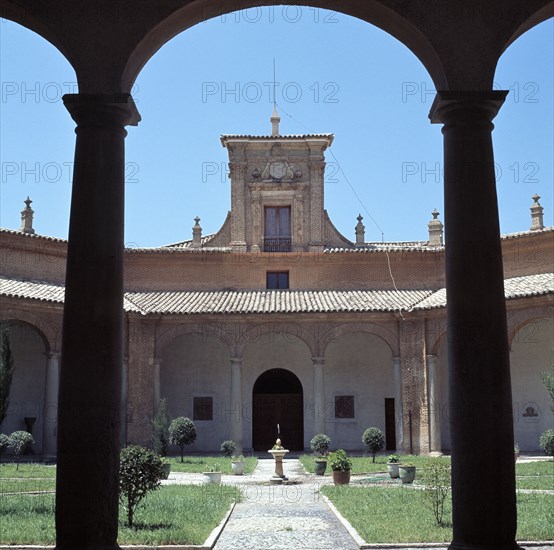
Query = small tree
x=4 y=444
x=140 y=471
x=320 y=443
x=6 y=371
x=547 y=442
x=19 y=443
x=182 y=432
x=228 y=448
x=160 y=429
x=436 y=480
x=374 y=441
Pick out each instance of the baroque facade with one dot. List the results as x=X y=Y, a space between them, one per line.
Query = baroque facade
x=279 y=319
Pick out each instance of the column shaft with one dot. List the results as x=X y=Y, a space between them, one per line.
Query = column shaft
x=157 y=384
x=319 y=395
x=90 y=377
x=483 y=471
x=434 y=405
x=50 y=413
x=398 y=409
x=235 y=416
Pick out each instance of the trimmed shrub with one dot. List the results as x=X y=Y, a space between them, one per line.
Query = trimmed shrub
x=182 y=431
x=140 y=471
x=320 y=443
x=4 y=444
x=19 y=443
x=374 y=441
x=547 y=442
x=160 y=429
x=228 y=448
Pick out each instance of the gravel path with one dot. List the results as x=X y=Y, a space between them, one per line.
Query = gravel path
x=280 y=517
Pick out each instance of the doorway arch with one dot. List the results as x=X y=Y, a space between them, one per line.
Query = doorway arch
x=277 y=398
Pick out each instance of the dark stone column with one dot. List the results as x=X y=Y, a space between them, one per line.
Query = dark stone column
x=92 y=343
x=483 y=471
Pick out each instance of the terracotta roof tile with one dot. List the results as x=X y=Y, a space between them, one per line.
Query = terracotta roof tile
x=276 y=301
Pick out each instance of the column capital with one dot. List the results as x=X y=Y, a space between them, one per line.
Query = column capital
x=53 y=355
x=236 y=361
x=456 y=105
x=318 y=361
x=102 y=109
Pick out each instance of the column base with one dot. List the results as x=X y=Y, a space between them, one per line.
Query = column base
x=464 y=546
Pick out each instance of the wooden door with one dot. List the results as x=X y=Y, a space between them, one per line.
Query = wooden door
x=272 y=409
x=390 y=424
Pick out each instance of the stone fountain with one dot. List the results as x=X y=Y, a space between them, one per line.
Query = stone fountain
x=278 y=452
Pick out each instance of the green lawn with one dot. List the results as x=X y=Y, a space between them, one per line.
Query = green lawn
x=27 y=470
x=535 y=475
x=175 y=514
x=199 y=464
x=398 y=514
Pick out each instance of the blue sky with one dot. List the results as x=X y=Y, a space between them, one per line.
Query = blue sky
x=215 y=78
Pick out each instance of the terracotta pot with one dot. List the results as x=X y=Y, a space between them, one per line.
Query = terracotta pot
x=341 y=477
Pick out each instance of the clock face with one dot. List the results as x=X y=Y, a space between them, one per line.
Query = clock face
x=278 y=170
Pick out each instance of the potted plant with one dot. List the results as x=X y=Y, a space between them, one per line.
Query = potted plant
x=213 y=475
x=341 y=466
x=320 y=443
x=237 y=465
x=406 y=473
x=392 y=466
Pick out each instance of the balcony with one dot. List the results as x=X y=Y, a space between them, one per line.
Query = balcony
x=277 y=244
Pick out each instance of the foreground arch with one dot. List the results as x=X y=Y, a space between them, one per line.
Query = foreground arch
x=107 y=53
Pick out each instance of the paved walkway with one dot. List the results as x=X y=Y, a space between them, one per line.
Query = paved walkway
x=279 y=517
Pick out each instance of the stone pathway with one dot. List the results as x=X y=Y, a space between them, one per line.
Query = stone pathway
x=280 y=517
x=291 y=517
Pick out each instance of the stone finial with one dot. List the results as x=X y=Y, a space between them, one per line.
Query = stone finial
x=537 y=222
x=435 y=229
x=360 y=231
x=196 y=234
x=275 y=119
x=27 y=217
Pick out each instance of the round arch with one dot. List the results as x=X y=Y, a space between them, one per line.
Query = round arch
x=165 y=335
x=389 y=337
x=372 y=11
x=277 y=401
x=48 y=332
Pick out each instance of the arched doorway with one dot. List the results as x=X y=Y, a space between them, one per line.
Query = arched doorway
x=277 y=398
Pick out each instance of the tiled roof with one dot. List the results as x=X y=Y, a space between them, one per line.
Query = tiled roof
x=277 y=301
x=388 y=247
x=517 y=287
x=549 y=229
x=32 y=289
x=45 y=292
x=32 y=235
